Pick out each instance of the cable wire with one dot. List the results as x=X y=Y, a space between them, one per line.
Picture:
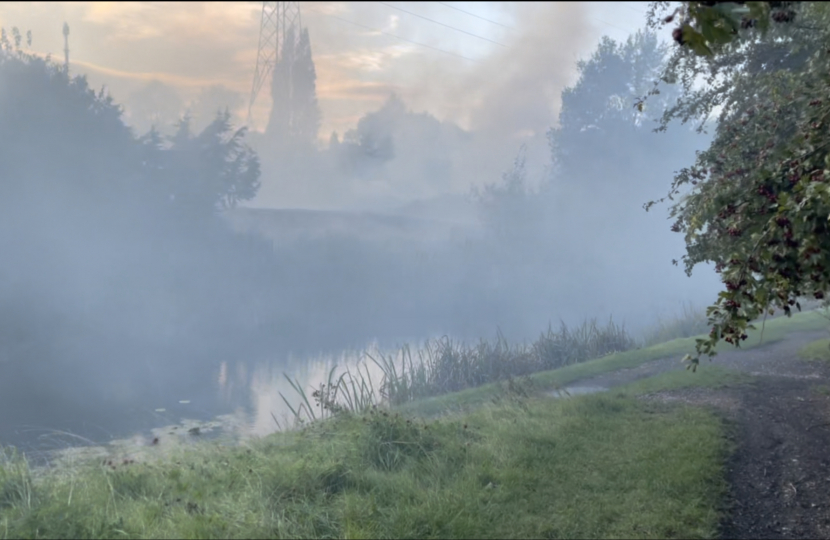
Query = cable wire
x=476 y=16
x=611 y=25
x=396 y=36
x=442 y=24
x=512 y=28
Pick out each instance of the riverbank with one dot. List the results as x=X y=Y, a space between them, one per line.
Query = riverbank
x=501 y=460
x=526 y=467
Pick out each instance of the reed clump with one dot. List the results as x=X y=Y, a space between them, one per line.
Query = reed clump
x=444 y=365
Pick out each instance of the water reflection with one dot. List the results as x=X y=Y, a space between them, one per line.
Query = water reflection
x=244 y=400
x=222 y=396
x=255 y=400
x=271 y=396
x=131 y=398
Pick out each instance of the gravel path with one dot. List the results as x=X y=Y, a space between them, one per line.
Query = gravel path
x=779 y=473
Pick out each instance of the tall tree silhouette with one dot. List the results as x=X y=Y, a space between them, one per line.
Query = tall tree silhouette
x=305 y=110
x=279 y=123
x=295 y=114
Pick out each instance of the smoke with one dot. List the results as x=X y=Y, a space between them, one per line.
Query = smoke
x=516 y=91
x=213 y=99
x=504 y=94
x=506 y=98
x=156 y=104
x=399 y=251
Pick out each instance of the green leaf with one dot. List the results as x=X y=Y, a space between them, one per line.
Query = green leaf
x=696 y=41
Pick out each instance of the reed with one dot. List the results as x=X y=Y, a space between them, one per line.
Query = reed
x=444 y=365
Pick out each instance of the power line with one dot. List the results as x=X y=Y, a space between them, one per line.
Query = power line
x=476 y=16
x=396 y=36
x=635 y=10
x=611 y=25
x=442 y=24
x=504 y=25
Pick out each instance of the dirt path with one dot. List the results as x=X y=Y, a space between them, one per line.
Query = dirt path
x=779 y=474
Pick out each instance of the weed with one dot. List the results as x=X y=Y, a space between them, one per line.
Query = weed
x=691 y=321
x=445 y=366
x=15 y=479
x=818 y=350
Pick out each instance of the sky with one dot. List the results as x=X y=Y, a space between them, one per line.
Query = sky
x=478 y=64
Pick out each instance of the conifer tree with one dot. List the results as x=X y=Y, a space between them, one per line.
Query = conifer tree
x=295 y=114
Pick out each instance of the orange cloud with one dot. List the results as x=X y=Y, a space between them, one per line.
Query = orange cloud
x=355 y=89
x=167 y=78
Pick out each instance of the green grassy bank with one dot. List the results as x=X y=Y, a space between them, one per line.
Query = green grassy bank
x=773 y=330
x=515 y=466
x=597 y=466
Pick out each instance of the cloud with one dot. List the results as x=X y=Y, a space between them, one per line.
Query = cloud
x=126 y=21
x=218 y=22
x=365 y=59
x=168 y=78
x=392 y=25
x=356 y=90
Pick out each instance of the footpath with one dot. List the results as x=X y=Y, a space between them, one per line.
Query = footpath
x=779 y=473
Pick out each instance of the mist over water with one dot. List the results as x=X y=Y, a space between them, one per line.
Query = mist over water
x=154 y=275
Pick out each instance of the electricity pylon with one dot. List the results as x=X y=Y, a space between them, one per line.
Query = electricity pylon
x=277 y=18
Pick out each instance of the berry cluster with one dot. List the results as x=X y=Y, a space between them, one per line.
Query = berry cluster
x=780 y=12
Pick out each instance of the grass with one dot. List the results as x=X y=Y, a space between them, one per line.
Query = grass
x=444 y=366
x=600 y=466
x=691 y=321
x=711 y=377
x=446 y=375
x=818 y=350
x=774 y=330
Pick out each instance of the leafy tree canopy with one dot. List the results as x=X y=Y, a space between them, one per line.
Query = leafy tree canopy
x=756 y=203
x=90 y=210
x=597 y=112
